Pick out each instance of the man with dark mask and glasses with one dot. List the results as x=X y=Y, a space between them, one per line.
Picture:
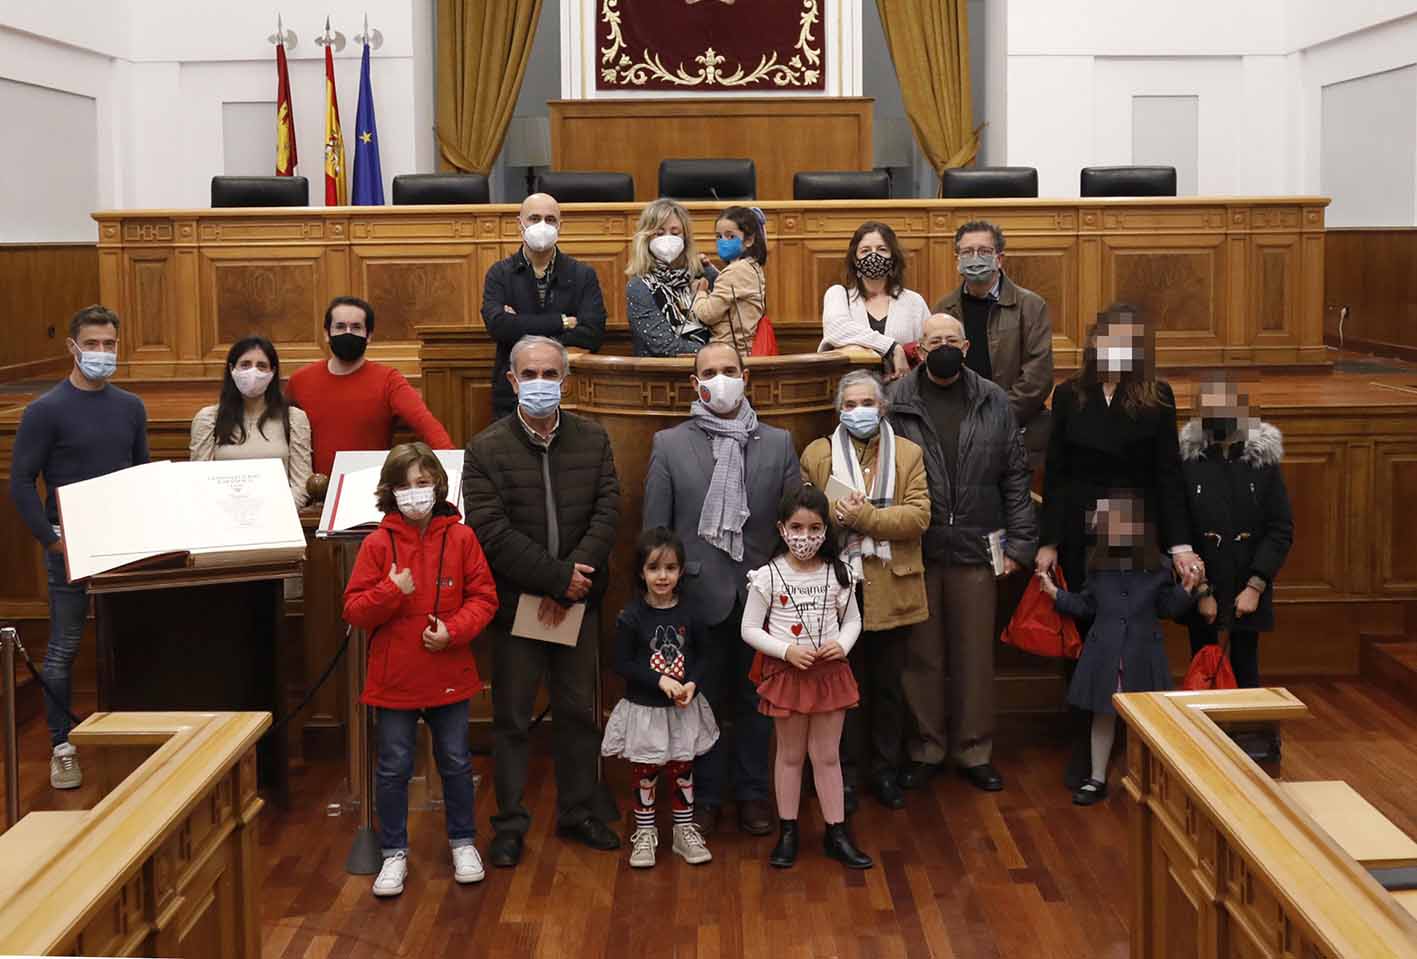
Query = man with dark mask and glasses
x=1009 y=328
x=352 y=401
x=978 y=476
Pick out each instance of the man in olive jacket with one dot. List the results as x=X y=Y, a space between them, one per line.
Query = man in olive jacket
x=978 y=477
x=540 y=490
x=1011 y=338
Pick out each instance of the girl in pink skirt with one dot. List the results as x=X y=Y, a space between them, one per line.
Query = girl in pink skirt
x=802 y=616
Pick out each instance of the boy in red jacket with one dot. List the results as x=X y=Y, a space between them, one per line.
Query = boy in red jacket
x=422 y=589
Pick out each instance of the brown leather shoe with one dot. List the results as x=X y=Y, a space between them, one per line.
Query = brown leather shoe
x=755 y=817
x=706 y=818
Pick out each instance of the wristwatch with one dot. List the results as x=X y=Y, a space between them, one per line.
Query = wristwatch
x=1204 y=590
x=1257 y=584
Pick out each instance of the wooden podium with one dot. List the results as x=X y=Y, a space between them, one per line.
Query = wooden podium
x=197 y=639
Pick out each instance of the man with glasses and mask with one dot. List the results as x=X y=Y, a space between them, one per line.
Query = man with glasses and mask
x=716 y=480
x=539 y=291
x=82 y=428
x=978 y=477
x=542 y=494
x=352 y=402
x=1008 y=329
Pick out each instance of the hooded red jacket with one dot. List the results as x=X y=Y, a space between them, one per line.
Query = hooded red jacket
x=402 y=674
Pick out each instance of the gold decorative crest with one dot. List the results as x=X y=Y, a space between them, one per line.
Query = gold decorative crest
x=803 y=68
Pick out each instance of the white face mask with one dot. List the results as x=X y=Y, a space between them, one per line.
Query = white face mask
x=415 y=502
x=666 y=248
x=1116 y=359
x=721 y=393
x=540 y=237
x=251 y=381
x=803 y=546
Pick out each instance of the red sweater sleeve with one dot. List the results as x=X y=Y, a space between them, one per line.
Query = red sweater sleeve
x=479 y=592
x=409 y=407
x=371 y=599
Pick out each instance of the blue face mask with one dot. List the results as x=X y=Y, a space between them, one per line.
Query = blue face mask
x=730 y=249
x=539 y=397
x=97 y=364
x=861 y=421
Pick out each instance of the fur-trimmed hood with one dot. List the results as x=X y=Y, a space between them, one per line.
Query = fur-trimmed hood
x=1264 y=446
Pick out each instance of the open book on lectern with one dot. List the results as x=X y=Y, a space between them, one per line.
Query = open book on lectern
x=351 y=502
x=213 y=513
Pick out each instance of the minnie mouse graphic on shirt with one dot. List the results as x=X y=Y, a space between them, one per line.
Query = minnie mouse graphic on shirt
x=667 y=651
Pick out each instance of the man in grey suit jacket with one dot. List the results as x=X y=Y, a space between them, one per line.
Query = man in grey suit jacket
x=717 y=480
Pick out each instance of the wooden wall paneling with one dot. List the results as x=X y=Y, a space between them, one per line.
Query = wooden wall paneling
x=424 y=284
x=277 y=292
x=1316 y=474
x=41 y=286
x=1370 y=272
x=783 y=136
x=1311 y=288
x=1395 y=529
x=1049 y=266
x=1178 y=282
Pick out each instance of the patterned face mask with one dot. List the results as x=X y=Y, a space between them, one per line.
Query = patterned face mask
x=803 y=546
x=873 y=265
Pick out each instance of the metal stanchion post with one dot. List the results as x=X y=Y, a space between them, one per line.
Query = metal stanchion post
x=365 y=857
x=8 y=636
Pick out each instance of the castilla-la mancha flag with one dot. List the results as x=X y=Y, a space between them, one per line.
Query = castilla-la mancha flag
x=336 y=185
x=285 y=118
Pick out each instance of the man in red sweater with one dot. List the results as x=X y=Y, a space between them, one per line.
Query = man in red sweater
x=353 y=402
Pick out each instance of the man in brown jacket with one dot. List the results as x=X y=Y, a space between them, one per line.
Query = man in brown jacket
x=1011 y=339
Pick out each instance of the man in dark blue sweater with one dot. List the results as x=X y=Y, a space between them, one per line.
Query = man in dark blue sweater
x=80 y=429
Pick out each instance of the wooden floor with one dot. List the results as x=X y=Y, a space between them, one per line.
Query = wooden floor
x=1021 y=873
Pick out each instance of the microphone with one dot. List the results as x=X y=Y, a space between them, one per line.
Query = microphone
x=714 y=194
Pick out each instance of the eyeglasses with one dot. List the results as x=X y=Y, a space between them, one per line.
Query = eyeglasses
x=976 y=251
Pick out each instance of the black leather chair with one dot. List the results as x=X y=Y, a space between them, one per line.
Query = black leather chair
x=260 y=191
x=841 y=185
x=1129 y=181
x=570 y=186
x=725 y=179
x=429 y=189
x=989 y=182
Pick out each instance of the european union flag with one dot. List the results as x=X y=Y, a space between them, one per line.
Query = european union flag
x=368 y=178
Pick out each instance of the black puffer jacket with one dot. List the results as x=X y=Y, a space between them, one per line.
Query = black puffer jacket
x=504 y=497
x=1240 y=516
x=992 y=477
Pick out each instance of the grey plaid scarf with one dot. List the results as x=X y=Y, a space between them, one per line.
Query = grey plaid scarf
x=726 y=505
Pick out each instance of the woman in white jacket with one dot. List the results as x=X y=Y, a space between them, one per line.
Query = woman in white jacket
x=873 y=308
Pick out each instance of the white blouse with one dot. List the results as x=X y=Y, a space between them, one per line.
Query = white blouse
x=800 y=609
x=844 y=321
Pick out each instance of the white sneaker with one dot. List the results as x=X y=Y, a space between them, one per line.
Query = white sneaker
x=389 y=882
x=642 y=846
x=467 y=864
x=689 y=843
x=64 y=771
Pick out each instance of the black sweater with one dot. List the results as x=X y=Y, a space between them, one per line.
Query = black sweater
x=642 y=630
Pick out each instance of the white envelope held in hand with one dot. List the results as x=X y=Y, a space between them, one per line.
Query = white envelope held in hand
x=527 y=626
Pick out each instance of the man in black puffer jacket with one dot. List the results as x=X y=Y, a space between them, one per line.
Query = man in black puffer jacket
x=540 y=490
x=978 y=474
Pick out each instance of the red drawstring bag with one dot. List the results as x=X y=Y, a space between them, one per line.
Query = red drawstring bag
x=1210 y=669
x=1038 y=628
x=764 y=339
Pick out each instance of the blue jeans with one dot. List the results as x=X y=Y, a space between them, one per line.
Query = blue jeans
x=397 y=737
x=68 y=608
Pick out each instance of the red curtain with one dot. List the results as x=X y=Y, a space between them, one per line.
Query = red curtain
x=710 y=46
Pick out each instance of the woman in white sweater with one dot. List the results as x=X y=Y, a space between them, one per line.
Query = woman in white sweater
x=251 y=419
x=872 y=308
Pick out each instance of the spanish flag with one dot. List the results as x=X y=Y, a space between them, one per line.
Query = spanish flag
x=336 y=186
x=285 y=119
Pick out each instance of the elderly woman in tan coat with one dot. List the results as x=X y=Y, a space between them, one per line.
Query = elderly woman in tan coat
x=876 y=483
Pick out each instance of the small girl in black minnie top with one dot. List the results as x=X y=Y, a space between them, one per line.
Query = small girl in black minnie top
x=662 y=724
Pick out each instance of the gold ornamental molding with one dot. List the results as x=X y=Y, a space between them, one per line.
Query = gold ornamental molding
x=802 y=68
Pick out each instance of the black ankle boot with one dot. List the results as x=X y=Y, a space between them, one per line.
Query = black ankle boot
x=838 y=846
x=784 y=854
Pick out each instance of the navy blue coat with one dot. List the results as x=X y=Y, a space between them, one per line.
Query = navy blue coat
x=1126 y=609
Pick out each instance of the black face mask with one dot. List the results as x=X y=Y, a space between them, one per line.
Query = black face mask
x=1218 y=427
x=944 y=362
x=348 y=346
